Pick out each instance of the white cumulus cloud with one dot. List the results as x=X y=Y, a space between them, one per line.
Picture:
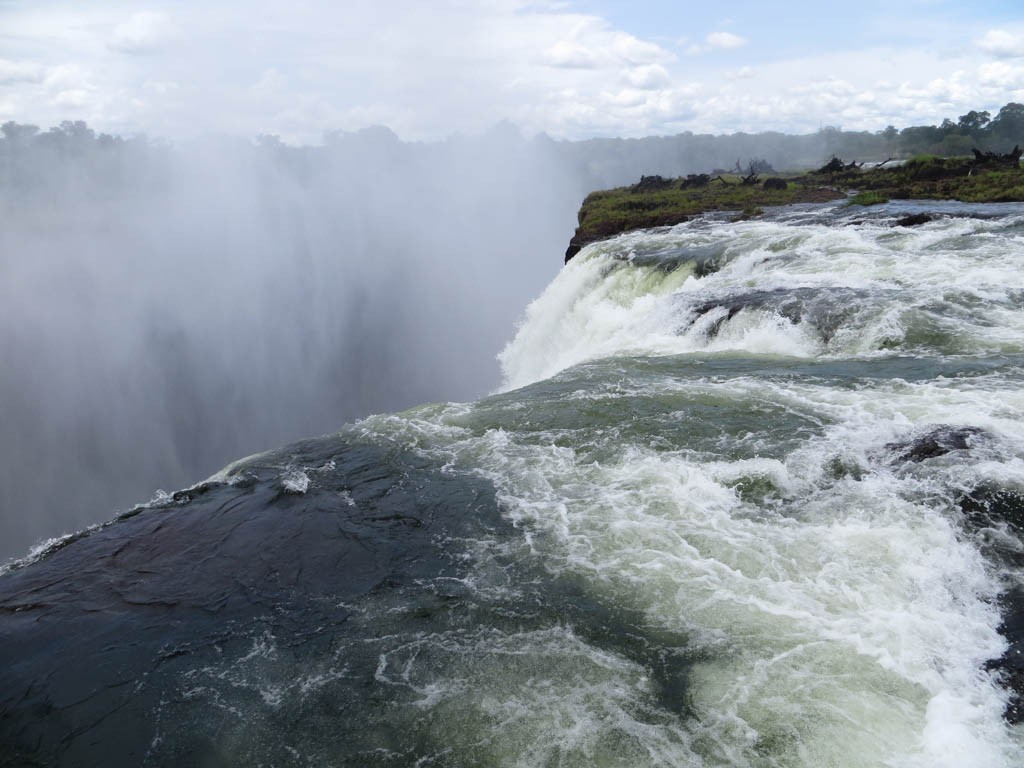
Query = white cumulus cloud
x=1002 y=43
x=648 y=77
x=570 y=55
x=1002 y=75
x=636 y=51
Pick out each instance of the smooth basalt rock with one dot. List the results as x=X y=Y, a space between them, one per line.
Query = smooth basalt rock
x=151 y=640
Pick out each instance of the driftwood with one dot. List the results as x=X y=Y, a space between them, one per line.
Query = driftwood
x=695 y=181
x=1010 y=159
x=650 y=183
x=750 y=179
x=835 y=165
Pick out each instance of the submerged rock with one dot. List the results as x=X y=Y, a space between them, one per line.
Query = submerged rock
x=246 y=624
x=823 y=309
x=1001 y=510
x=914 y=220
x=1010 y=665
x=195 y=632
x=996 y=517
x=936 y=442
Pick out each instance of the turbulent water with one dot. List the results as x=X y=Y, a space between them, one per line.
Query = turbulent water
x=731 y=507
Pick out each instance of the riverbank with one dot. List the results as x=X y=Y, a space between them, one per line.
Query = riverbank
x=656 y=201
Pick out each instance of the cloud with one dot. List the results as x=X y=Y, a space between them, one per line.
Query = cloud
x=67 y=77
x=570 y=55
x=725 y=40
x=1001 y=75
x=721 y=41
x=858 y=92
x=19 y=72
x=635 y=51
x=627 y=97
x=144 y=32
x=1002 y=44
x=73 y=99
x=742 y=73
x=160 y=87
x=308 y=67
x=648 y=77
x=271 y=82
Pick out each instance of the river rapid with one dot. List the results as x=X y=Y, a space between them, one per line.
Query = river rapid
x=746 y=497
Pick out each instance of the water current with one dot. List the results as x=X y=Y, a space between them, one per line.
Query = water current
x=730 y=507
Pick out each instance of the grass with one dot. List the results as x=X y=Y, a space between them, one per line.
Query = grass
x=868 y=198
x=661 y=202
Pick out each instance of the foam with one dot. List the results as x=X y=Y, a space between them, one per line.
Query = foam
x=954 y=274
x=836 y=611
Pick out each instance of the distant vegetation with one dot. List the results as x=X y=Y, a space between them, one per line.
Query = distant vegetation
x=593 y=164
x=614 y=162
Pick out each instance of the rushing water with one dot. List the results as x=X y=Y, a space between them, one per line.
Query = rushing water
x=721 y=513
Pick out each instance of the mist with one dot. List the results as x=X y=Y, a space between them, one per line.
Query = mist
x=165 y=310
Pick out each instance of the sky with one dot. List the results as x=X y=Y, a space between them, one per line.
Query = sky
x=573 y=69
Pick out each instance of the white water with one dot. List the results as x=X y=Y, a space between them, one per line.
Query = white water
x=824 y=597
x=602 y=304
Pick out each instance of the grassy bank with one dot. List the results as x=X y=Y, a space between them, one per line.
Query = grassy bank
x=656 y=201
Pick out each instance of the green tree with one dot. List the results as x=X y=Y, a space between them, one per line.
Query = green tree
x=1008 y=125
x=974 y=122
x=15 y=132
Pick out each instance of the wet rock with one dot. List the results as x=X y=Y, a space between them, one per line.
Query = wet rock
x=1010 y=666
x=154 y=638
x=936 y=442
x=824 y=309
x=986 y=506
x=1001 y=510
x=574 y=248
x=914 y=220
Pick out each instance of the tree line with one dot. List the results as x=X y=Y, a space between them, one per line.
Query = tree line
x=78 y=160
